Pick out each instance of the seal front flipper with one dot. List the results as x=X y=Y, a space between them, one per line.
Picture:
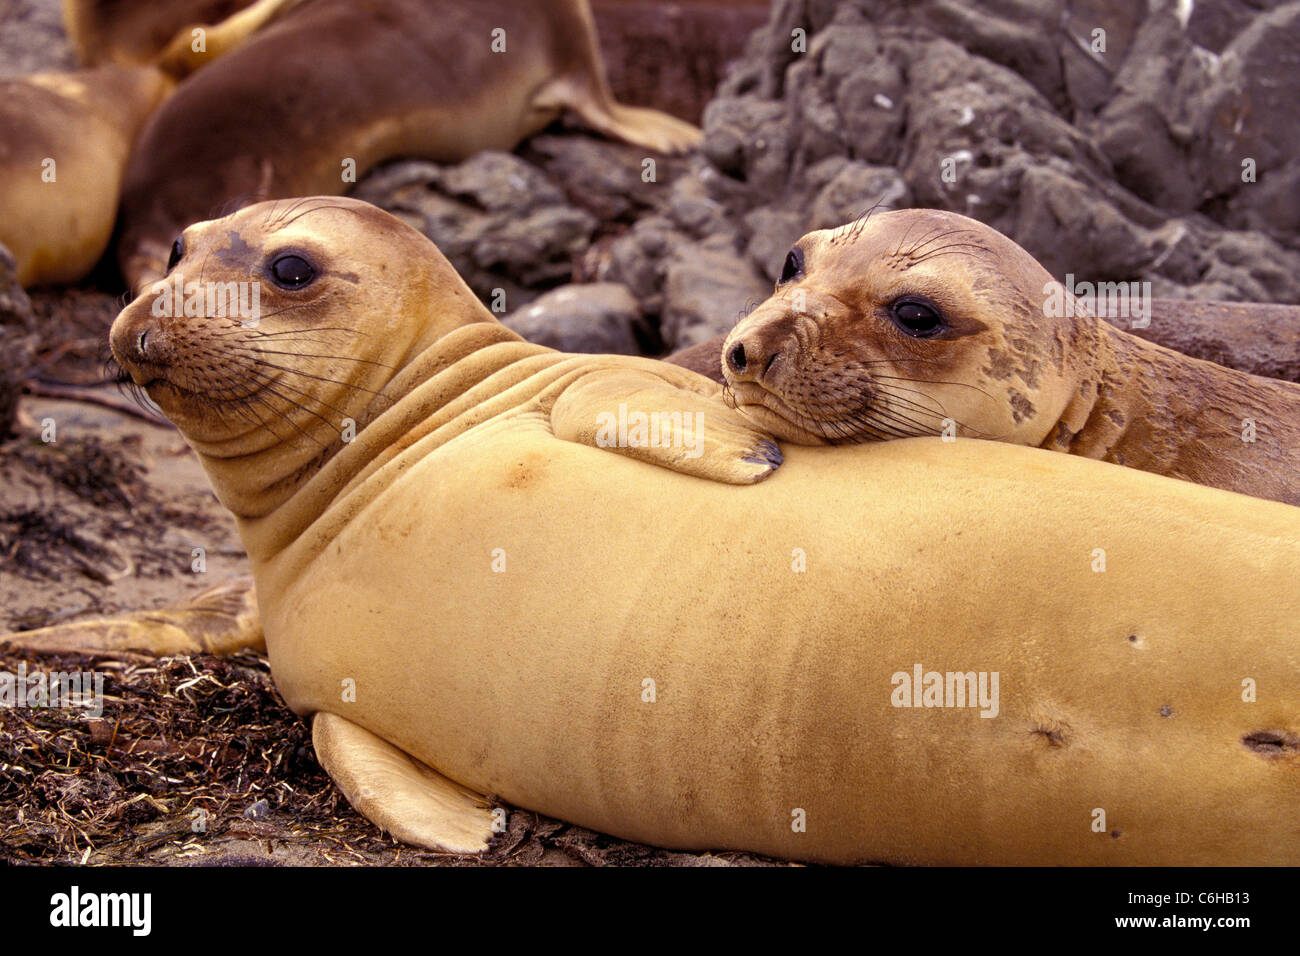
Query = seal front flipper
x=397 y=793
x=647 y=417
x=220 y=620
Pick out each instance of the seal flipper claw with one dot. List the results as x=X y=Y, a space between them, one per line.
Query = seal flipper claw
x=648 y=416
x=399 y=794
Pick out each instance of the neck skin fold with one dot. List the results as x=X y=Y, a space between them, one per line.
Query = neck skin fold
x=1148 y=407
x=276 y=488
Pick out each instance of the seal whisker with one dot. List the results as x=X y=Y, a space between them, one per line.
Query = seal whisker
x=342 y=358
x=933 y=235
x=945 y=251
x=319 y=401
x=299 y=405
x=910 y=403
x=898 y=249
x=319 y=378
x=289 y=222
x=291 y=206
x=919 y=381
x=903 y=424
x=238 y=329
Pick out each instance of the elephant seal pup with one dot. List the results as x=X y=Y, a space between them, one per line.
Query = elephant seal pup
x=309 y=103
x=470 y=596
x=65 y=142
x=895 y=325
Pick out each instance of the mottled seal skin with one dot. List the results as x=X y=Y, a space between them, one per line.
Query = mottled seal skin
x=915 y=321
x=335 y=80
x=469 y=595
x=85 y=121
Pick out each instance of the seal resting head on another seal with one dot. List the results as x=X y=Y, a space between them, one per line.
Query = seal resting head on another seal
x=479 y=573
x=921 y=322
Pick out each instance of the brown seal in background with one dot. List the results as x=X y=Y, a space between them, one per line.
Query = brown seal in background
x=312 y=101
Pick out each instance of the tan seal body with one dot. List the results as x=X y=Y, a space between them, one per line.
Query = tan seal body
x=57 y=219
x=135 y=32
x=918 y=322
x=310 y=102
x=471 y=596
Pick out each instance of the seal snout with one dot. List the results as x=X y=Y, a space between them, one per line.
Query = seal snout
x=751 y=353
x=137 y=343
x=736 y=358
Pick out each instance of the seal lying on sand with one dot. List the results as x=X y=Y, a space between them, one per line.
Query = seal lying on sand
x=332 y=87
x=904 y=652
x=914 y=321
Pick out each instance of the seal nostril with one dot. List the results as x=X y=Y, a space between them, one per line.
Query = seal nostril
x=737 y=358
x=768 y=367
x=140 y=342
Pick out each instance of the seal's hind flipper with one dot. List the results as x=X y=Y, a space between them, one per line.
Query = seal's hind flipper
x=180 y=59
x=639 y=125
x=399 y=794
x=591 y=99
x=650 y=417
x=221 y=620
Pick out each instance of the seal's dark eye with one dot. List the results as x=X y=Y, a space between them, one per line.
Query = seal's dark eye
x=292 y=272
x=917 y=319
x=793 y=267
x=178 y=250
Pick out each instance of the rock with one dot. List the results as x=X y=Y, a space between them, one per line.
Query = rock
x=1069 y=230
x=1271 y=205
x=1145 y=129
x=692 y=209
x=1248 y=266
x=771 y=234
x=506 y=228
x=18 y=340
x=1248 y=113
x=1096 y=37
x=749 y=141
x=32 y=39
x=600 y=176
x=1213 y=25
x=598 y=317
x=537 y=249
x=639 y=260
x=855 y=188
x=499 y=182
x=708 y=287
x=1021 y=35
